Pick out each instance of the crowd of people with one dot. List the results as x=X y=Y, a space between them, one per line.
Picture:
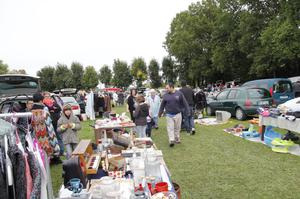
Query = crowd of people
x=62 y=126
x=177 y=105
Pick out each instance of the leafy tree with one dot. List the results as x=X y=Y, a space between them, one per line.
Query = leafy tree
x=122 y=77
x=169 y=70
x=139 y=70
x=62 y=76
x=90 y=77
x=46 y=75
x=3 y=67
x=105 y=75
x=226 y=39
x=280 y=44
x=77 y=75
x=154 y=74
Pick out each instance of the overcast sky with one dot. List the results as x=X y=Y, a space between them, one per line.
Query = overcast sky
x=36 y=33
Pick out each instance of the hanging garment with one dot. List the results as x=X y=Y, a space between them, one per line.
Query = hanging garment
x=9 y=172
x=36 y=176
x=38 y=148
x=18 y=163
x=3 y=184
x=42 y=168
x=49 y=180
x=90 y=106
x=39 y=127
x=28 y=177
x=107 y=102
x=96 y=103
x=22 y=124
x=52 y=138
x=27 y=169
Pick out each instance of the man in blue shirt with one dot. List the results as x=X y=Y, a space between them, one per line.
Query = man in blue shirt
x=173 y=103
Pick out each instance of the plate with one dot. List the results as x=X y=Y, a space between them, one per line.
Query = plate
x=164 y=195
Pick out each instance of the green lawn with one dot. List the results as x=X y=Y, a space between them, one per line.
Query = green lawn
x=214 y=164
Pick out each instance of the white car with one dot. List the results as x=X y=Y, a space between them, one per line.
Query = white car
x=292 y=105
x=73 y=103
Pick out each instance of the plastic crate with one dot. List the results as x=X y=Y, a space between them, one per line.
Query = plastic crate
x=247 y=134
x=269 y=136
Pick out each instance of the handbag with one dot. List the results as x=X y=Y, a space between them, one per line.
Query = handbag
x=150 y=121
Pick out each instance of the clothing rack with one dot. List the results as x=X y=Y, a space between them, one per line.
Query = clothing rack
x=6 y=126
x=25 y=114
x=6 y=130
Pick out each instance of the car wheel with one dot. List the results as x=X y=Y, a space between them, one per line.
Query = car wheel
x=209 y=111
x=240 y=114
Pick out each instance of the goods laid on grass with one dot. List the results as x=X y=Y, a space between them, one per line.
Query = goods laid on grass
x=279 y=143
x=134 y=169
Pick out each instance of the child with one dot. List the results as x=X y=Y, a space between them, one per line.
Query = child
x=68 y=125
x=150 y=125
x=140 y=114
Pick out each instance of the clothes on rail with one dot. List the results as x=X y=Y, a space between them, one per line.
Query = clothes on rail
x=44 y=131
x=36 y=176
x=24 y=172
x=18 y=161
x=3 y=184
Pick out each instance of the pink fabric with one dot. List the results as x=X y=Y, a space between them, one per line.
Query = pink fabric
x=40 y=150
x=29 y=183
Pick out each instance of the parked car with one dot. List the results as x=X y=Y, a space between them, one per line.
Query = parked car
x=291 y=105
x=18 y=103
x=281 y=89
x=296 y=85
x=12 y=85
x=16 y=90
x=14 y=104
x=240 y=101
x=68 y=92
x=73 y=103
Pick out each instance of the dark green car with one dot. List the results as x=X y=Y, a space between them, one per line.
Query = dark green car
x=240 y=101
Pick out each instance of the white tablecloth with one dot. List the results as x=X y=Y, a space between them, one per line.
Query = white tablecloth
x=280 y=122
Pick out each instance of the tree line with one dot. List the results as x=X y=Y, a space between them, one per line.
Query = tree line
x=229 y=39
x=120 y=74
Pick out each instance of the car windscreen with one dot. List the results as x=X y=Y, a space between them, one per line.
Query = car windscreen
x=283 y=87
x=257 y=84
x=256 y=93
x=12 y=86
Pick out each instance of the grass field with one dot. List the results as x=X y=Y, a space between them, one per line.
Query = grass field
x=214 y=164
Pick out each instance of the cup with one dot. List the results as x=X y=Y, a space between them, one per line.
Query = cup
x=75 y=185
x=161 y=187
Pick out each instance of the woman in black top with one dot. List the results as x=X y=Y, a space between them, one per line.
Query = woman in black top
x=131 y=103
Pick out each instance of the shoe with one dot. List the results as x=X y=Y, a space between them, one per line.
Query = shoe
x=177 y=141
x=193 y=132
x=188 y=133
x=171 y=144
